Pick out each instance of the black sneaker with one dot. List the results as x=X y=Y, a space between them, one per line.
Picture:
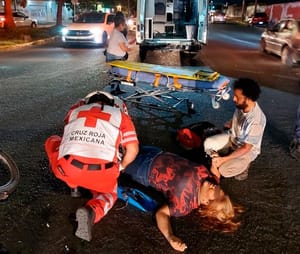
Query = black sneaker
x=85 y=217
x=75 y=193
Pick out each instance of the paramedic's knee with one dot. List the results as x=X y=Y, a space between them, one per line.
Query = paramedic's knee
x=216 y=143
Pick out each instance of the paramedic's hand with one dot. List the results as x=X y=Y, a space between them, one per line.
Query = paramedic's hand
x=121 y=168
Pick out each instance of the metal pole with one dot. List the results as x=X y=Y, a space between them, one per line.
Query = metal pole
x=128 y=8
x=243 y=9
x=255 y=7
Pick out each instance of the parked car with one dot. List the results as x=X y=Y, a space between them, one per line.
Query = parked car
x=283 y=39
x=89 y=28
x=20 y=18
x=218 y=17
x=259 y=19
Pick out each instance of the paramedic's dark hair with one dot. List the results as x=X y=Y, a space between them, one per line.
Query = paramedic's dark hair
x=118 y=20
x=100 y=98
x=249 y=88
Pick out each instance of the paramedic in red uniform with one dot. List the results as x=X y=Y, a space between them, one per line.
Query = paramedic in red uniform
x=89 y=155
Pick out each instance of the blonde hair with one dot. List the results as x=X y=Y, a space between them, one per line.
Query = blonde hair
x=220 y=214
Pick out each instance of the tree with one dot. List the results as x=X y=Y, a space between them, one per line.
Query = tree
x=9 y=19
x=60 y=4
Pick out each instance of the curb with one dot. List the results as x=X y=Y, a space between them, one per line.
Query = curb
x=26 y=44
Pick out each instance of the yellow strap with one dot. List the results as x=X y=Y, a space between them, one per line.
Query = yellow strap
x=128 y=78
x=157 y=78
x=176 y=84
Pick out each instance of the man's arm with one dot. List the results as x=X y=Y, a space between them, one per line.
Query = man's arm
x=164 y=225
x=218 y=161
x=228 y=125
x=124 y=47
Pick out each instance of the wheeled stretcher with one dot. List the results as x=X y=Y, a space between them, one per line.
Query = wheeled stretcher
x=165 y=80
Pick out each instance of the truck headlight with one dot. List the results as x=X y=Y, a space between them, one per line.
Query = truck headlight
x=95 y=32
x=64 y=31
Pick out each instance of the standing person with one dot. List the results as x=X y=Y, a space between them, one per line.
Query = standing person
x=295 y=144
x=118 y=46
x=88 y=155
x=245 y=136
x=186 y=186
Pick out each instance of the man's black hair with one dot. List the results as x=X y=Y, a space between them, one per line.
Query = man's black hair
x=249 y=88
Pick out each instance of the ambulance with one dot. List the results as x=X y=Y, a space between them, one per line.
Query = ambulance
x=171 y=24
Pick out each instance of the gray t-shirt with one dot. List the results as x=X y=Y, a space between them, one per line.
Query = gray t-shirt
x=115 y=39
x=248 y=128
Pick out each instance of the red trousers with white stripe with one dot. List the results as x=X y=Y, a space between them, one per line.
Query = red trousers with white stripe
x=102 y=184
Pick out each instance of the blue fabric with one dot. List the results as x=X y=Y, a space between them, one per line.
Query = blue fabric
x=139 y=169
x=111 y=57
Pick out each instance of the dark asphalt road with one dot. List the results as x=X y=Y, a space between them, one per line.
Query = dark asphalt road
x=38 y=217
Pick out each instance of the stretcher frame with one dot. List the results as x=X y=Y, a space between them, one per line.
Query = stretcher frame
x=163 y=81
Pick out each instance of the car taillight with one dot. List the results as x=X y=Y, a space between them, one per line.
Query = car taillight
x=2 y=19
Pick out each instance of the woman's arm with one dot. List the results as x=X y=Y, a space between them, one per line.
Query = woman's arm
x=124 y=47
x=164 y=225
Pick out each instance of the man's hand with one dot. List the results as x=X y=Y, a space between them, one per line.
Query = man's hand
x=217 y=161
x=176 y=243
x=228 y=125
x=215 y=168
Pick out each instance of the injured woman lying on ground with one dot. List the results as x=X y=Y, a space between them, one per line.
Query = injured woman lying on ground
x=186 y=186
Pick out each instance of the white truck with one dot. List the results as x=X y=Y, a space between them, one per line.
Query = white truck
x=171 y=24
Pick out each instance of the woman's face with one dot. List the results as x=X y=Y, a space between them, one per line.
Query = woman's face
x=212 y=192
x=122 y=26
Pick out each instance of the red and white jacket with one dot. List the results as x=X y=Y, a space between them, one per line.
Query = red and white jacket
x=96 y=131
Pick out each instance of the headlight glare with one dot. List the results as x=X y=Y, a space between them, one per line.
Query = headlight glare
x=64 y=31
x=95 y=32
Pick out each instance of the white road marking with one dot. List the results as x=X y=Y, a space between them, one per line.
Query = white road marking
x=250 y=71
x=286 y=77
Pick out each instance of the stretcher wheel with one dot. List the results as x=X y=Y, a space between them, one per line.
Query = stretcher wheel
x=191 y=105
x=215 y=104
x=115 y=88
x=225 y=96
x=191 y=108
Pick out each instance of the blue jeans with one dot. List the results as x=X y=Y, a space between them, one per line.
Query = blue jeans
x=140 y=168
x=111 y=57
